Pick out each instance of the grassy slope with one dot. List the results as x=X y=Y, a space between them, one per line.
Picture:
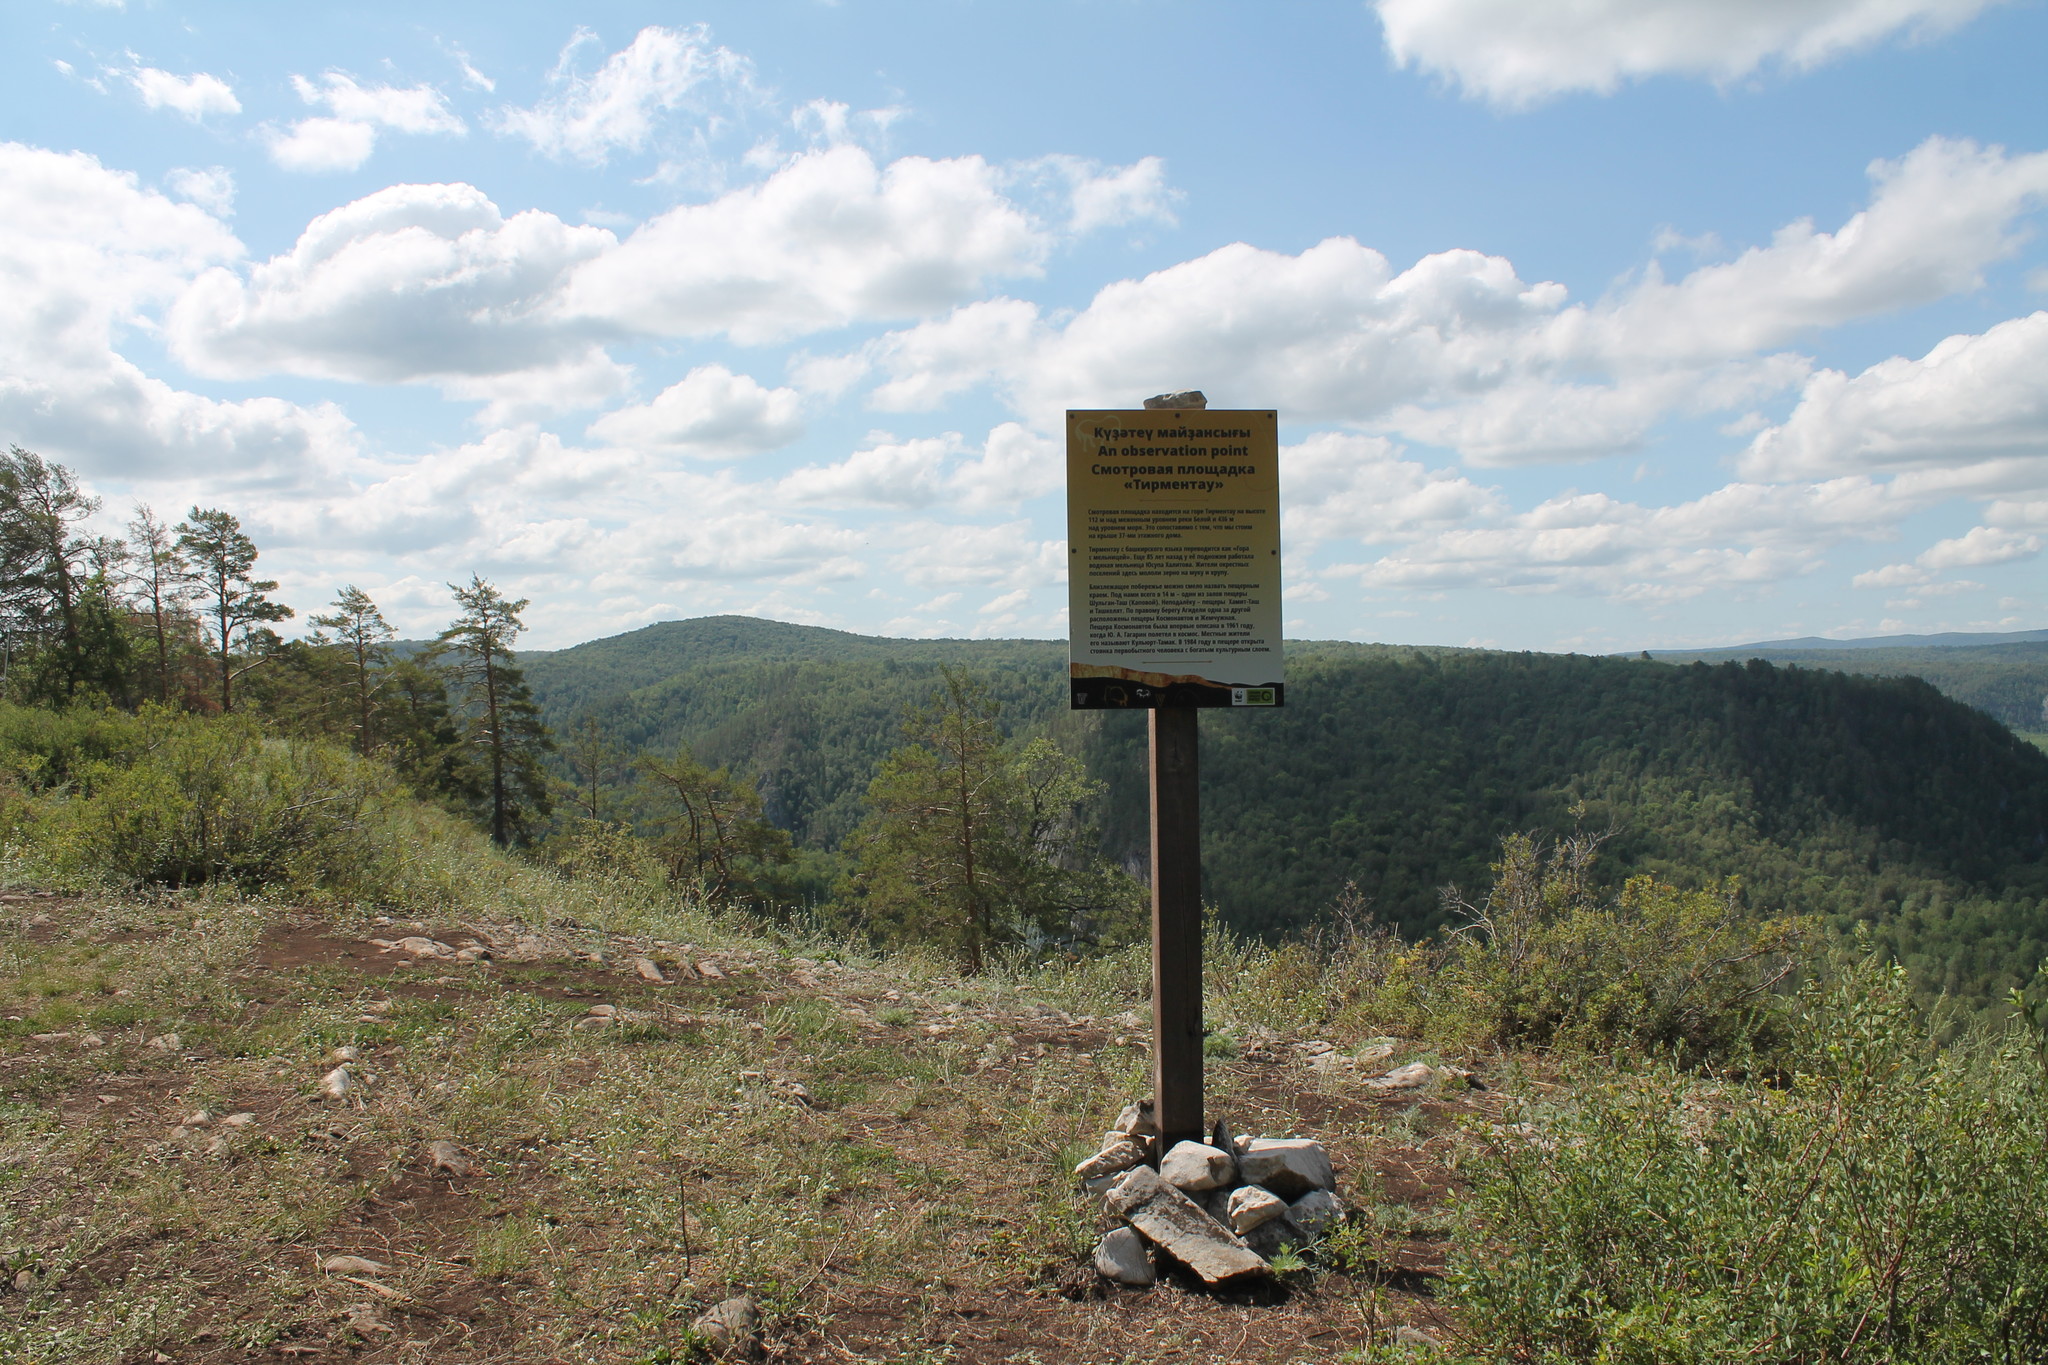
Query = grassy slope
x=916 y=1207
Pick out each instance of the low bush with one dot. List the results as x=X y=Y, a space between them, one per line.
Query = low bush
x=1543 y=961
x=1880 y=1205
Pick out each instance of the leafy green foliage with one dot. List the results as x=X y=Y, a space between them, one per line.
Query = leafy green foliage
x=1877 y=1207
x=976 y=843
x=1548 y=959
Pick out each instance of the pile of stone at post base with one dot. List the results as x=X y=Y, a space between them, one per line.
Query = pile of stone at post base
x=1222 y=1208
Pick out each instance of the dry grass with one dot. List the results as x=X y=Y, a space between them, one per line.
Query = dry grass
x=877 y=1151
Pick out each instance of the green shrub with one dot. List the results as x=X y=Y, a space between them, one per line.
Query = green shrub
x=1881 y=1205
x=1544 y=961
x=209 y=801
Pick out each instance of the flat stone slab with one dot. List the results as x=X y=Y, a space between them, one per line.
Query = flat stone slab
x=1179 y=1227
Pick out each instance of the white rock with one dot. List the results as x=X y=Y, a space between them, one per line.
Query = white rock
x=1316 y=1212
x=423 y=947
x=335 y=1084
x=1120 y=1256
x=1196 y=1166
x=1251 y=1205
x=353 y=1265
x=731 y=1328
x=1178 y=1226
x=241 y=1120
x=1289 y=1167
x=1118 y=1156
x=1413 y=1076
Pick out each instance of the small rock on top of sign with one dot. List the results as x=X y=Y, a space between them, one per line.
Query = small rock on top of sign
x=1186 y=399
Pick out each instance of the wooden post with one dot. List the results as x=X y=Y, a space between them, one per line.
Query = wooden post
x=1176 y=926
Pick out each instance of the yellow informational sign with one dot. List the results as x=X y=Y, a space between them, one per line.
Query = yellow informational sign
x=1173 y=536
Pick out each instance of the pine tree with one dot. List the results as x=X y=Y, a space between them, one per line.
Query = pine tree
x=504 y=722
x=223 y=561
x=162 y=583
x=976 y=842
x=56 y=598
x=363 y=635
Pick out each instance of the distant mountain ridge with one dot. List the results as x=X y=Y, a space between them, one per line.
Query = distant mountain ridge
x=1946 y=640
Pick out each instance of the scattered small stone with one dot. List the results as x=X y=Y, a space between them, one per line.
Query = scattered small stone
x=1251 y=1205
x=1316 y=1047
x=91 y=1040
x=365 y=1318
x=1181 y=1228
x=199 y=1118
x=1413 y=1076
x=335 y=1084
x=241 y=1120
x=603 y=1011
x=648 y=970
x=1415 y=1336
x=1378 y=1050
x=166 y=1042
x=345 y=1054
x=445 y=1156
x=378 y=1007
x=1120 y=1256
x=731 y=1328
x=1316 y=1212
x=591 y=1023
x=1289 y=1167
x=473 y=954
x=353 y=1265
x=1195 y=1167
x=55 y=1038
x=419 y=946
x=709 y=970
x=24 y=1281
x=790 y=1090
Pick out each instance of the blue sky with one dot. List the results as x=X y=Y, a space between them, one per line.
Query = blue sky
x=1595 y=326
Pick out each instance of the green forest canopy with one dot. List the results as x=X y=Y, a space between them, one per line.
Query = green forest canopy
x=1871 y=799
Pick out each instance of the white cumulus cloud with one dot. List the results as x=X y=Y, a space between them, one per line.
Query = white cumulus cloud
x=711 y=413
x=619 y=108
x=90 y=257
x=1970 y=401
x=415 y=283
x=828 y=239
x=347 y=139
x=1458 y=349
x=1517 y=53
x=195 y=96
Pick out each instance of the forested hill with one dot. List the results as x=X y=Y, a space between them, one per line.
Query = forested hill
x=2004 y=675
x=1855 y=797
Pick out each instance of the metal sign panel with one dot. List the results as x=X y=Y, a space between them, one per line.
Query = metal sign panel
x=1173 y=538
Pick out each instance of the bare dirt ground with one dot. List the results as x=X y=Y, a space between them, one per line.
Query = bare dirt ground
x=879 y=1156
